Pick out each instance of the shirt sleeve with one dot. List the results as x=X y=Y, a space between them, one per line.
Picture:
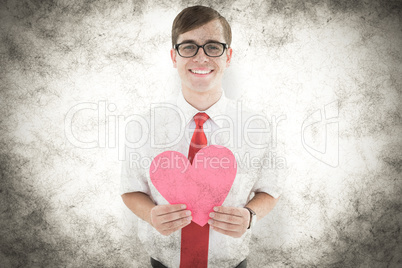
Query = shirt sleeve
x=273 y=168
x=133 y=172
x=270 y=175
x=132 y=179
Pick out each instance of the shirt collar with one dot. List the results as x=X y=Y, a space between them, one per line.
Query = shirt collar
x=213 y=112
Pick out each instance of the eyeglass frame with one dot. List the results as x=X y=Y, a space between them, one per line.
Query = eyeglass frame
x=225 y=46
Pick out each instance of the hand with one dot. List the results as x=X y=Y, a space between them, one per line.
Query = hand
x=167 y=219
x=230 y=221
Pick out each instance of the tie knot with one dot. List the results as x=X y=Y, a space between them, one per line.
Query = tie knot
x=200 y=119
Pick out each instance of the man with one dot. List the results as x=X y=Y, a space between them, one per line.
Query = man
x=201 y=52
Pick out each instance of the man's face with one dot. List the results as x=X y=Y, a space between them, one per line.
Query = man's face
x=212 y=67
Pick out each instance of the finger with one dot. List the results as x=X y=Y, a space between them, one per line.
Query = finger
x=165 y=209
x=226 y=232
x=224 y=225
x=174 y=216
x=229 y=210
x=173 y=225
x=181 y=226
x=226 y=218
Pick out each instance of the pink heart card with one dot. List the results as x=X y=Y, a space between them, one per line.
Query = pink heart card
x=201 y=185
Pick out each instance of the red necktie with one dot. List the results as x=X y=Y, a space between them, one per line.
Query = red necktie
x=194 y=238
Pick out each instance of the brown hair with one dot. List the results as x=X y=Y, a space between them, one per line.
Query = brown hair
x=193 y=17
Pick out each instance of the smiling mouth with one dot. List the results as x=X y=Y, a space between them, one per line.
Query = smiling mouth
x=201 y=71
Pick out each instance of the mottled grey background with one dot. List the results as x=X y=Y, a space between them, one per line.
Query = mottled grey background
x=60 y=205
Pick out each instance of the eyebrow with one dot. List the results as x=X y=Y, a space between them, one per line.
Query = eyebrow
x=193 y=41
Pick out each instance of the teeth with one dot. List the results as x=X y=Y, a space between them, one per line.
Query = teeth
x=200 y=72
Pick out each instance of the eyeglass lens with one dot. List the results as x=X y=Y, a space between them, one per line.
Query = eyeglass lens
x=211 y=49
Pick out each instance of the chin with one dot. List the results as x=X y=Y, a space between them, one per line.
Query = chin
x=201 y=89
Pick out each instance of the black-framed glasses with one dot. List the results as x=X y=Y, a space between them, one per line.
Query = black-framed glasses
x=211 y=49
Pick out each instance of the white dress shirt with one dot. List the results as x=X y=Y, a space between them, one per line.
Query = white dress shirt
x=169 y=126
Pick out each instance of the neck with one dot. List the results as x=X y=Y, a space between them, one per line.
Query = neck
x=202 y=100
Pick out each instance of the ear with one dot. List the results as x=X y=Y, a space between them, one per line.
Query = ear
x=229 y=56
x=173 y=55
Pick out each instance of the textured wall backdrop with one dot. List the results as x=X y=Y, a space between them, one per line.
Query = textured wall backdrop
x=330 y=70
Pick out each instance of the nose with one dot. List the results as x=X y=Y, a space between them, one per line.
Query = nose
x=200 y=56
